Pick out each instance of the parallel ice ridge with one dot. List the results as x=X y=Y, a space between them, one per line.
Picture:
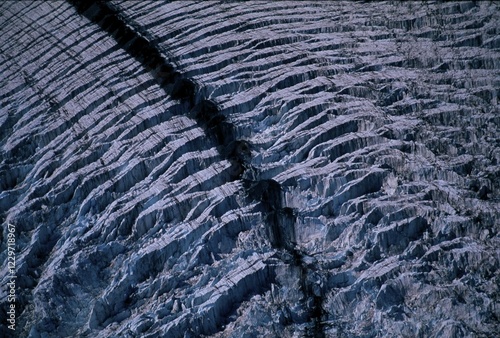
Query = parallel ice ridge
x=368 y=206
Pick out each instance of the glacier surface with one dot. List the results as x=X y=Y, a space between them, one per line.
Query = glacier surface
x=255 y=169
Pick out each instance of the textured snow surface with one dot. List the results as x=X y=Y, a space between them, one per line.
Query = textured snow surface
x=256 y=169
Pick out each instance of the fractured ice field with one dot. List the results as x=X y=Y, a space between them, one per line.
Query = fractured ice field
x=251 y=169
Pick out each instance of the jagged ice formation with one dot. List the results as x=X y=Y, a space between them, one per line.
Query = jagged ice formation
x=256 y=169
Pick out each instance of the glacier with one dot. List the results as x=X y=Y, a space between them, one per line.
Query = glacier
x=255 y=169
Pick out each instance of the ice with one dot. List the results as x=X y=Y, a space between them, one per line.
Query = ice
x=278 y=169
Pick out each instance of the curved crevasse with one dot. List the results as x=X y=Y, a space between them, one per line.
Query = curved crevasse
x=283 y=169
